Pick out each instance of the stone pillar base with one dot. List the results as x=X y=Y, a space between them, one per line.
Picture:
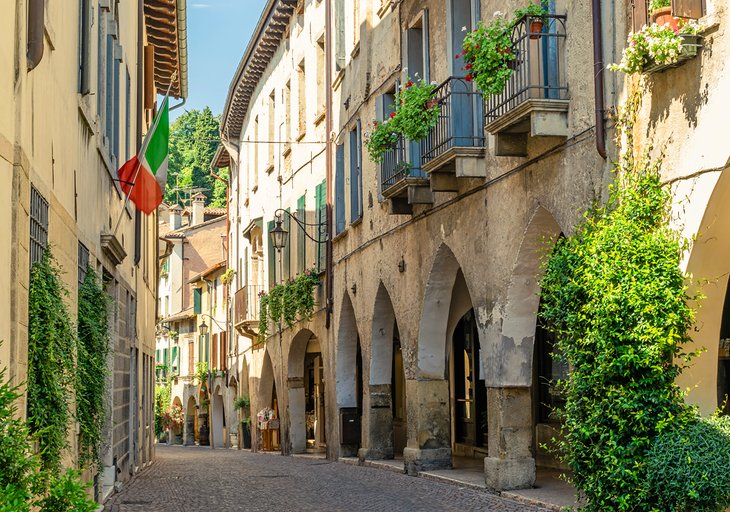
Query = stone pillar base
x=424 y=459
x=508 y=474
x=375 y=454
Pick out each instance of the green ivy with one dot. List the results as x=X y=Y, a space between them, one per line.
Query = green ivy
x=163 y=397
x=290 y=301
x=51 y=347
x=67 y=493
x=92 y=372
x=616 y=298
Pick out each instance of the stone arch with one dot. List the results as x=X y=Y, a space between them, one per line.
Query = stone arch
x=177 y=431
x=217 y=420
x=515 y=350
x=708 y=378
x=349 y=379
x=266 y=397
x=297 y=407
x=190 y=419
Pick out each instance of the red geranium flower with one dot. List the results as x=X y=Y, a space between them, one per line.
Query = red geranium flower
x=392 y=114
x=468 y=66
x=409 y=83
x=457 y=55
x=469 y=78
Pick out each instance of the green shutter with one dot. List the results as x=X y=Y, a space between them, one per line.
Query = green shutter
x=301 y=237
x=272 y=254
x=157 y=356
x=175 y=364
x=321 y=200
x=197 y=300
x=286 y=252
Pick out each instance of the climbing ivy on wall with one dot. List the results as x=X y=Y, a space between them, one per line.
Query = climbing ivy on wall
x=51 y=347
x=614 y=294
x=92 y=372
x=288 y=301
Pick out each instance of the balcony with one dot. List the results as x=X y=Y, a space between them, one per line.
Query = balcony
x=534 y=102
x=456 y=144
x=403 y=183
x=246 y=310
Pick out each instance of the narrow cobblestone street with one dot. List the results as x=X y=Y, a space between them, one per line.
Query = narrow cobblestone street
x=195 y=479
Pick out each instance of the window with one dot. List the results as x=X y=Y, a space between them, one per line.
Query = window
x=175 y=362
x=286 y=251
x=692 y=9
x=255 y=151
x=224 y=351
x=197 y=301
x=287 y=111
x=321 y=209
x=340 y=39
x=83 y=263
x=272 y=129
x=214 y=355
x=191 y=358
x=38 y=226
x=417 y=53
x=461 y=16
x=320 y=78
x=301 y=235
x=356 y=173
x=84 y=46
x=302 y=98
x=340 y=189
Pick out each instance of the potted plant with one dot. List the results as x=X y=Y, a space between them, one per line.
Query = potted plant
x=536 y=15
x=415 y=112
x=661 y=13
x=488 y=52
x=656 y=47
x=382 y=138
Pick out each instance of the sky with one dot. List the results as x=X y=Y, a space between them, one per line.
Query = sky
x=218 y=33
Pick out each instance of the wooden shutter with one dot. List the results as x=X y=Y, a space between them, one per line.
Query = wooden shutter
x=339 y=189
x=214 y=354
x=286 y=252
x=224 y=351
x=191 y=358
x=301 y=237
x=197 y=300
x=693 y=9
x=641 y=16
x=271 y=254
x=175 y=363
x=321 y=205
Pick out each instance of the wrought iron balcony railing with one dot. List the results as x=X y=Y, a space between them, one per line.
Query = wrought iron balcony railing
x=396 y=168
x=460 y=123
x=246 y=304
x=538 y=69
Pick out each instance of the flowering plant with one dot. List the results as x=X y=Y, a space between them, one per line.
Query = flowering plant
x=414 y=115
x=487 y=51
x=382 y=138
x=174 y=416
x=659 y=4
x=659 y=44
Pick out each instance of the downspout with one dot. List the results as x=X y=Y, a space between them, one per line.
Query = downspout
x=598 y=69
x=140 y=115
x=36 y=26
x=328 y=123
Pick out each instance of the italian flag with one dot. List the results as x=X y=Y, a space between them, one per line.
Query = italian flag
x=144 y=176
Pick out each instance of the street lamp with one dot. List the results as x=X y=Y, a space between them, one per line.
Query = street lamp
x=203 y=328
x=279 y=235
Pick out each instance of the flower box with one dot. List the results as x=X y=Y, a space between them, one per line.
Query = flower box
x=691 y=46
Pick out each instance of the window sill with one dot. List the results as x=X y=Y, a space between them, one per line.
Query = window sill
x=301 y=135
x=355 y=51
x=338 y=79
x=270 y=168
x=287 y=149
x=385 y=6
x=356 y=222
x=340 y=236
x=320 y=117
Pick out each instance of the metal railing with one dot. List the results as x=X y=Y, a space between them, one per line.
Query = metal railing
x=538 y=71
x=396 y=166
x=246 y=304
x=460 y=123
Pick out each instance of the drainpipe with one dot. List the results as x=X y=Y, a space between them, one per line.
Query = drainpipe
x=328 y=147
x=36 y=25
x=598 y=69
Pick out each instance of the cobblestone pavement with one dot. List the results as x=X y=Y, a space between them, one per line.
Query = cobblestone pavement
x=192 y=479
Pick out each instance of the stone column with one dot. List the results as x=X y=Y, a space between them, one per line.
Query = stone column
x=296 y=427
x=429 y=426
x=189 y=434
x=510 y=464
x=379 y=424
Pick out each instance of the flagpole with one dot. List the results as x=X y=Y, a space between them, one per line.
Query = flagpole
x=142 y=149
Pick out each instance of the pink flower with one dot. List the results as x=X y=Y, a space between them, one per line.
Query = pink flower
x=457 y=55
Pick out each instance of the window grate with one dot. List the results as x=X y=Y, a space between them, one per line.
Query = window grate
x=38 y=226
x=83 y=263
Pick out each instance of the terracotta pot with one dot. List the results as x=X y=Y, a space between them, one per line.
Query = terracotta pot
x=433 y=102
x=663 y=16
x=536 y=29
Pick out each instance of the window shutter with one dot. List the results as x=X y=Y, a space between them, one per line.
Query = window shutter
x=693 y=9
x=175 y=363
x=339 y=189
x=641 y=16
x=197 y=300
x=321 y=202
x=287 y=248
x=301 y=237
x=355 y=174
x=272 y=255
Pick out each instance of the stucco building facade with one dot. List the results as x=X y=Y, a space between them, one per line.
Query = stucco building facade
x=433 y=351
x=77 y=95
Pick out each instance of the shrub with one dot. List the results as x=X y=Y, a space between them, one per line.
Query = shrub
x=242 y=402
x=689 y=466
x=414 y=117
x=67 y=494
x=487 y=51
x=380 y=139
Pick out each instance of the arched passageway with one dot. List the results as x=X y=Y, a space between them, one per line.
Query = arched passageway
x=267 y=419
x=306 y=387
x=217 y=420
x=190 y=422
x=176 y=430
x=349 y=383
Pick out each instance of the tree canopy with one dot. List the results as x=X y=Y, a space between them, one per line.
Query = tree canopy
x=194 y=139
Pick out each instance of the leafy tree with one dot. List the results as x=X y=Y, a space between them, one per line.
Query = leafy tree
x=194 y=139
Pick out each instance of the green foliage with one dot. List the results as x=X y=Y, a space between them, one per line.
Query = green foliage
x=414 y=116
x=289 y=302
x=690 y=466
x=91 y=371
x=51 y=346
x=487 y=52
x=163 y=396
x=67 y=494
x=201 y=373
x=380 y=139
x=617 y=300
x=228 y=276
x=659 y=4
x=532 y=10
x=194 y=139
x=16 y=459
x=242 y=402
x=219 y=189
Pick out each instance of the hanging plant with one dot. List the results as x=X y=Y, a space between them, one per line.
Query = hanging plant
x=263 y=316
x=51 y=348
x=381 y=139
x=291 y=302
x=228 y=276
x=415 y=113
x=92 y=372
x=487 y=52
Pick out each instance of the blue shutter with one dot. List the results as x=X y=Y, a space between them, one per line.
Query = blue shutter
x=321 y=202
x=340 y=189
x=287 y=248
x=301 y=236
x=355 y=174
